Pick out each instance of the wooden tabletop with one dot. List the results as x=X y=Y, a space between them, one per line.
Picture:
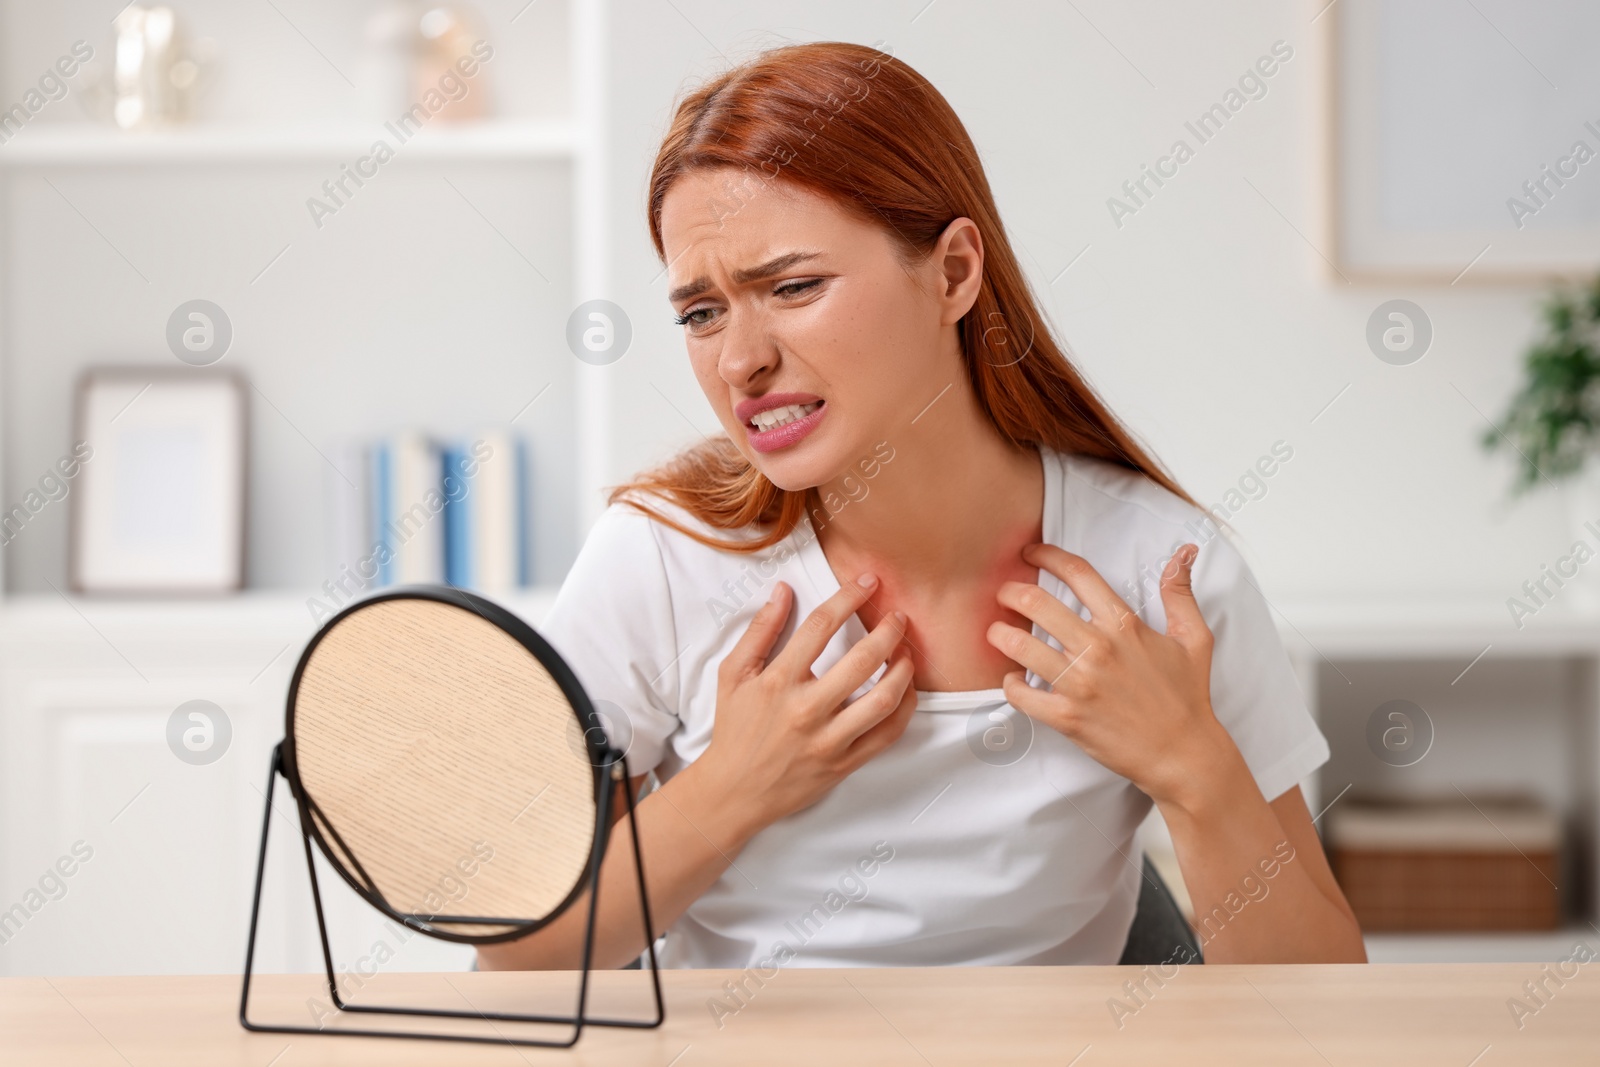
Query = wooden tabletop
x=1450 y=1015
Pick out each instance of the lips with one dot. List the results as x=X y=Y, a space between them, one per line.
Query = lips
x=779 y=420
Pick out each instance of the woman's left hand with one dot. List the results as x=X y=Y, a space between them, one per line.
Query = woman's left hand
x=1137 y=701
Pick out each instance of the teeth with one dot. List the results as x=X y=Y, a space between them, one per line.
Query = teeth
x=775 y=417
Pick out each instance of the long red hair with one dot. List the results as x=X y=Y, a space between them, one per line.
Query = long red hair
x=862 y=128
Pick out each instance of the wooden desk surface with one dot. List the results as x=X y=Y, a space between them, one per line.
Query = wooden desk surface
x=1453 y=1016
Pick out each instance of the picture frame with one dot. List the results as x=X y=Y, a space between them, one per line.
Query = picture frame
x=1427 y=142
x=162 y=509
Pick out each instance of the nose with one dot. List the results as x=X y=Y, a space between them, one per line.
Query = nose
x=748 y=352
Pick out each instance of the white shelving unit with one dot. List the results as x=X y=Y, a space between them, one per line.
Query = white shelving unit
x=1461 y=665
x=66 y=154
x=492 y=140
x=1510 y=709
x=87 y=684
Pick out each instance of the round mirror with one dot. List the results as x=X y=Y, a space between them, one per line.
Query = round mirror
x=447 y=763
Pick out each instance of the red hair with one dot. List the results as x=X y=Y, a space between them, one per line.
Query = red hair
x=865 y=130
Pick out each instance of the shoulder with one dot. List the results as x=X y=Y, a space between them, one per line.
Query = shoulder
x=1105 y=494
x=669 y=528
x=1129 y=526
x=654 y=547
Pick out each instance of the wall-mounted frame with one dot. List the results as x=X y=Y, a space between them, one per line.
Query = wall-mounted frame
x=1436 y=114
x=161 y=508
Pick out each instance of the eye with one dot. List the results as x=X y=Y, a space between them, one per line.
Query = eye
x=696 y=318
x=796 y=288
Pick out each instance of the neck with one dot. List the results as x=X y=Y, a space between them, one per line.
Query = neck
x=953 y=500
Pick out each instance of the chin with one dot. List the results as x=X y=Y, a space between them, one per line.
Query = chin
x=794 y=476
x=804 y=466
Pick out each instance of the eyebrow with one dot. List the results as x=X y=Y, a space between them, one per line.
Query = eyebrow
x=752 y=274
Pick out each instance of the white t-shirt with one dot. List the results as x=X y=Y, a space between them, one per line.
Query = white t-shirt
x=979 y=837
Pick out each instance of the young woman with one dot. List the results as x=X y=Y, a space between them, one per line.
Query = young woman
x=912 y=649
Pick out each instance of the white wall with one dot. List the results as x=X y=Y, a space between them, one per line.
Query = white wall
x=1206 y=320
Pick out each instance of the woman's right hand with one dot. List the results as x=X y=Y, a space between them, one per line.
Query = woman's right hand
x=783 y=737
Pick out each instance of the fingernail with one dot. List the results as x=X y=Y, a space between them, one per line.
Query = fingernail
x=1189 y=553
x=867 y=581
x=772 y=597
x=900 y=617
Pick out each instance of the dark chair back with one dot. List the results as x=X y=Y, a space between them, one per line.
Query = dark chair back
x=1160 y=934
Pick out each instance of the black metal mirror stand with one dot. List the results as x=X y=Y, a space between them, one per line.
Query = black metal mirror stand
x=615 y=770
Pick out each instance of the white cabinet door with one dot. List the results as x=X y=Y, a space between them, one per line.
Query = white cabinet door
x=123 y=857
x=118 y=855
x=160 y=848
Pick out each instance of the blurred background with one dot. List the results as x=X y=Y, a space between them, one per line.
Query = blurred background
x=302 y=298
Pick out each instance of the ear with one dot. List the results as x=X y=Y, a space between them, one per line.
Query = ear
x=959 y=259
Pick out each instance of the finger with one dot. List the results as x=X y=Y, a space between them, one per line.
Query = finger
x=749 y=653
x=1106 y=608
x=877 y=703
x=813 y=634
x=1052 y=709
x=857 y=665
x=1185 y=624
x=1027 y=650
x=1056 y=619
x=889 y=728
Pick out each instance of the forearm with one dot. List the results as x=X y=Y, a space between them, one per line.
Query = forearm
x=688 y=833
x=1256 y=891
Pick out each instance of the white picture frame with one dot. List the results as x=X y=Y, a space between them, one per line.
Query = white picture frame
x=160 y=511
x=1435 y=115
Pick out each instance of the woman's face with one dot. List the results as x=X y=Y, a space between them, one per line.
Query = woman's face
x=811 y=337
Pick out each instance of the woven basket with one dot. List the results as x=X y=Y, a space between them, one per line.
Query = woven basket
x=1488 y=864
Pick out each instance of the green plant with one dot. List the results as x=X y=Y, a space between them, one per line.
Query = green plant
x=1554 y=420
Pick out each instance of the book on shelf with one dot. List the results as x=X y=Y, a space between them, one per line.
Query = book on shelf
x=345 y=507
x=407 y=502
x=486 y=513
x=413 y=508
